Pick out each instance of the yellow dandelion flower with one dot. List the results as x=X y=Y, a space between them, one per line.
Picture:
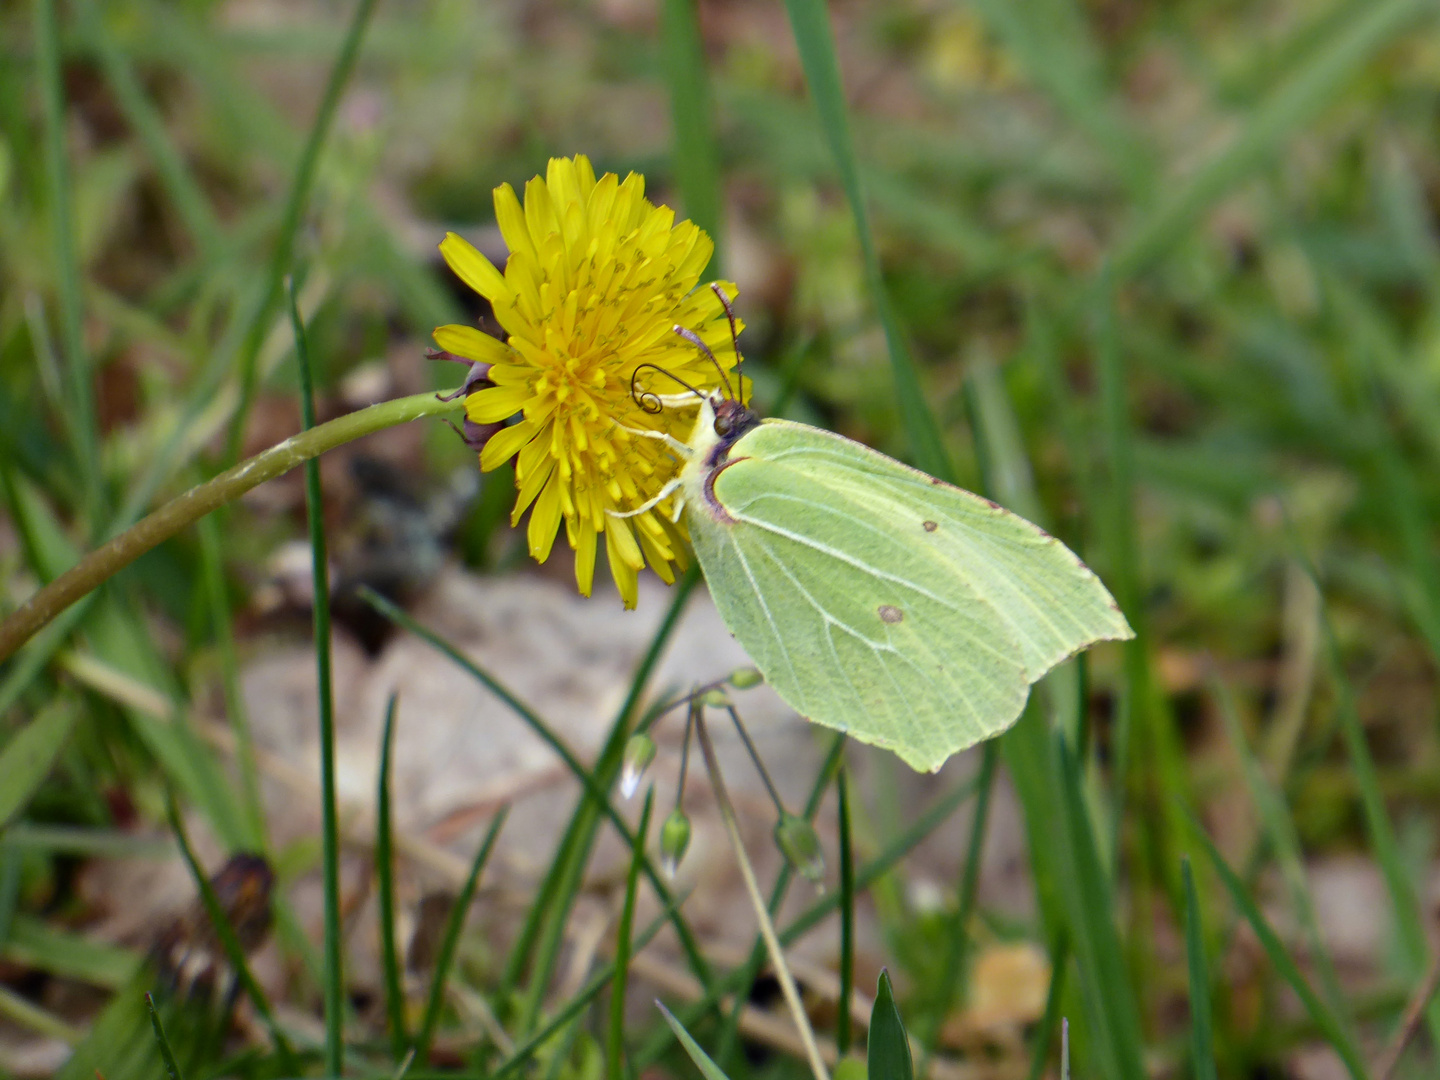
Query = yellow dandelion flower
x=596 y=281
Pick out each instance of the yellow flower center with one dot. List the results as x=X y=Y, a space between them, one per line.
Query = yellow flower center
x=596 y=281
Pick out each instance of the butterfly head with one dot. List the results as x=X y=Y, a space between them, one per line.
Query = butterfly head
x=733 y=418
x=721 y=424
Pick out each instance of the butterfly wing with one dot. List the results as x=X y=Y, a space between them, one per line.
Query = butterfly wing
x=882 y=602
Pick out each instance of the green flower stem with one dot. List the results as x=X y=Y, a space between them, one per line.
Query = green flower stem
x=109 y=559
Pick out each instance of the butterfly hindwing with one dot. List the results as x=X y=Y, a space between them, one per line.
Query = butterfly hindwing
x=879 y=601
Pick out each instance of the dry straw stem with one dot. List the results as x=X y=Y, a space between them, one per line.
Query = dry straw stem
x=767 y=929
x=105 y=561
x=1410 y=1024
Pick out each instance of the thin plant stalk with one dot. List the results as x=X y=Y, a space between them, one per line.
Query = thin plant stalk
x=385 y=879
x=184 y=510
x=767 y=928
x=730 y=1032
x=330 y=823
x=1410 y=1023
x=741 y=979
x=756 y=759
x=615 y=1034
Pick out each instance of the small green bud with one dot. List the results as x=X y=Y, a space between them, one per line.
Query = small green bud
x=715 y=698
x=639 y=753
x=744 y=678
x=800 y=845
x=674 y=839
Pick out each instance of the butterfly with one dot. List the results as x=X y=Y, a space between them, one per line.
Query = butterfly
x=876 y=599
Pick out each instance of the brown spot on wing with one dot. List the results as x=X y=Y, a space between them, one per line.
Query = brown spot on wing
x=929 y=526
x=890 y=613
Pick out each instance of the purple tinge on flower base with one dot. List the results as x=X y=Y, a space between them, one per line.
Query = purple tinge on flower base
x=478 y=374
x=596 y=280
x=474 y=435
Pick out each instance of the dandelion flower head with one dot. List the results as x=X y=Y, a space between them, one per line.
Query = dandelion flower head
x=596 y=281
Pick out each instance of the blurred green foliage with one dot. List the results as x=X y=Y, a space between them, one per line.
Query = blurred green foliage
x=1168 y=272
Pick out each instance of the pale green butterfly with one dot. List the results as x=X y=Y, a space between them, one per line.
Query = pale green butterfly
x=877 y=600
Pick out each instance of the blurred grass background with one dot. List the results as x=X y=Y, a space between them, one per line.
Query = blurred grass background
x=1163 y=277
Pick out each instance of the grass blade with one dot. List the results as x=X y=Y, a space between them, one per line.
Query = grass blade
x=190 y=201
x=887 y=1052
x=229 y=942
x=445 y=957
x=1279 y=830
x=696 y=159
x=1051 y=41
x=1281 y=960
x=1110 y=1005
x=26 y=759
x=1155 y=763
x=969 y=887
x=121 y=641
x=1202 y=1037
x=847 y=917
x=810 y=23
x=330 y=823
x=79 y=417
x=1405 y=904
x=284 y=251
x=702 y=1061
x=166 y=1054
x=385 y=877
x=597 y=794
x=601 y=979
x=1059 y=960
x=615 y=1033
x=10 y=866
x=213 y=573
x=1368 y=27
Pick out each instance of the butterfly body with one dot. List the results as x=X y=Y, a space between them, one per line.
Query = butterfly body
x=875 y=599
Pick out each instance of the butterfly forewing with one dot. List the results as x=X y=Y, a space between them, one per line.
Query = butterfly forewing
x=910 y=613
x=1052 y=602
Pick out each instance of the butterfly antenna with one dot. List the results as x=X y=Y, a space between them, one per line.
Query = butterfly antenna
x=734 y=333
x=649 y=400
x=694 y=339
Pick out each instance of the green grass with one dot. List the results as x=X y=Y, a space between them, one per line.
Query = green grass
x=1163 y=279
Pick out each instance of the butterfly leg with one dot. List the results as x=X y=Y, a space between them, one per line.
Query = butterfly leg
x=669 y=440
x=649 y=504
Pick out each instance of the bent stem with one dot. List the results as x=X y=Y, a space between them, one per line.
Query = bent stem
x=110 y=558
x=767 y=928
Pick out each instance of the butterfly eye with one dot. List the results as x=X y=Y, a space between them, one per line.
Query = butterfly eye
x=722 y=425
